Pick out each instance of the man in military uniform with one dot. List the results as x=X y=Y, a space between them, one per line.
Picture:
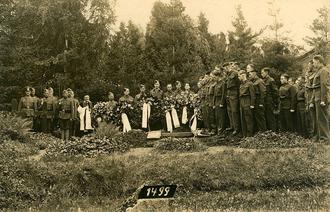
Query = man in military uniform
x=204 y=102
x=210 y=101
x=54 y=99
x=260 y=92
x=247 y=100
x=219 y=101
x=36 y=117
x=310 y=109
x=75 y=121
x=271 y=99
x=301 y=107
x=232 y=98
x=141 y=97
x=287 y=94
x=321 y=84
x=169 y=94
x=27 y=105
x=47 y=110
x=126 y=98
x=66 y=114
x=156 y=92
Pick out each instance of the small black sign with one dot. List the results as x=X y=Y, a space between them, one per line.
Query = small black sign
x=158 y=191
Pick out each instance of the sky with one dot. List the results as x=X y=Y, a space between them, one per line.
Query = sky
x=296 y=15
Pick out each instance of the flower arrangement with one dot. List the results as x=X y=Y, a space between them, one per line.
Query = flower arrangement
x=106 y=112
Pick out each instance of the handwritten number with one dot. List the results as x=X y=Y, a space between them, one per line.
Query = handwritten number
x=167 y=190
x=161 y=191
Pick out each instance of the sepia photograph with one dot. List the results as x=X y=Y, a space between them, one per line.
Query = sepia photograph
x=164 y=105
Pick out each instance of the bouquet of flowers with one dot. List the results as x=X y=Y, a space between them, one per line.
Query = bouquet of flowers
x=103 y=111
x=156 y=108
x=196 y=104
x=168 y=103
x=131 y=111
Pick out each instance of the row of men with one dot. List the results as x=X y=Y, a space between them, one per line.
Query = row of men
x=252 y=103
x=48 y=112
x=229 y=99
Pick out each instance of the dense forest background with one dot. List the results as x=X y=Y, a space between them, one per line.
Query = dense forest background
x=73 y=43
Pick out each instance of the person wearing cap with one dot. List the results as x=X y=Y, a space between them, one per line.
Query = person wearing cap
x=47 y=109
x=156 y=92
x=66 y=114
x=247 y=100
x=321 y=84
x=271 y=99
x=141 y=97
x=75 y=121
x=310 y=109
x=287 y=94
x=178 y=98
x=220 y=101
x=260 y=91
x=301 y=107
x=210 y=100
x=203 y=91
x=232 y=98
x=27 y=105
x=36 y=117
x=54 y=100
x=126 y=98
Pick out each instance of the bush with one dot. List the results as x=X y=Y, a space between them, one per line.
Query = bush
x=89 y=146
x=179 y=145
x=135 y=138
x=269 y=139
x=106 y=130
x=13 y=126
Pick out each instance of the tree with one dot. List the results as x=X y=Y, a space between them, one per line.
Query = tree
x=321 y=30
x=242 y=40
x=173 y=44
x=126 y=63
x=57 y=42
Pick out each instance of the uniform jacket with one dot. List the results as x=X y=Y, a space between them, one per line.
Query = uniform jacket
x=156 y=93
x=271 y=96
x=126 y=99
x=66 y=108
x=321 y=85
x=247 y=94
x=232 y=85
x=220 y=93
x=27 y=106
x=260 y=90
x=47 y=107
x=287 y=94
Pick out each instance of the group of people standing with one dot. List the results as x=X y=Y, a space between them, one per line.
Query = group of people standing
x=228 y=99
x=49 y=112
x=251 y=103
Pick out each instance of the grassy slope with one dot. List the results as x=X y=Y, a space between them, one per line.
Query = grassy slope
x=222 y=177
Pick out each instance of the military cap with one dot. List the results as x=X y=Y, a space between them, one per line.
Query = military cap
x=319 y=58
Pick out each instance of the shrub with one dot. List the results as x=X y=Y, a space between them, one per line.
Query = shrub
x=180 y=145
x=135 y=138
x=13 y=126
x=269 y=139
x=89 y=146
x=106 y=130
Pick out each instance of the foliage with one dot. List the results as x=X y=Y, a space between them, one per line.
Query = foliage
x=65 y=180
x=179 y=145
x=106 y=130
x=54 y=43
x=13 y=126
x=259 y=200
x=135 y=138
x=242 y=40
x=270 y=139
x=320 y=28
x=88 y=146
